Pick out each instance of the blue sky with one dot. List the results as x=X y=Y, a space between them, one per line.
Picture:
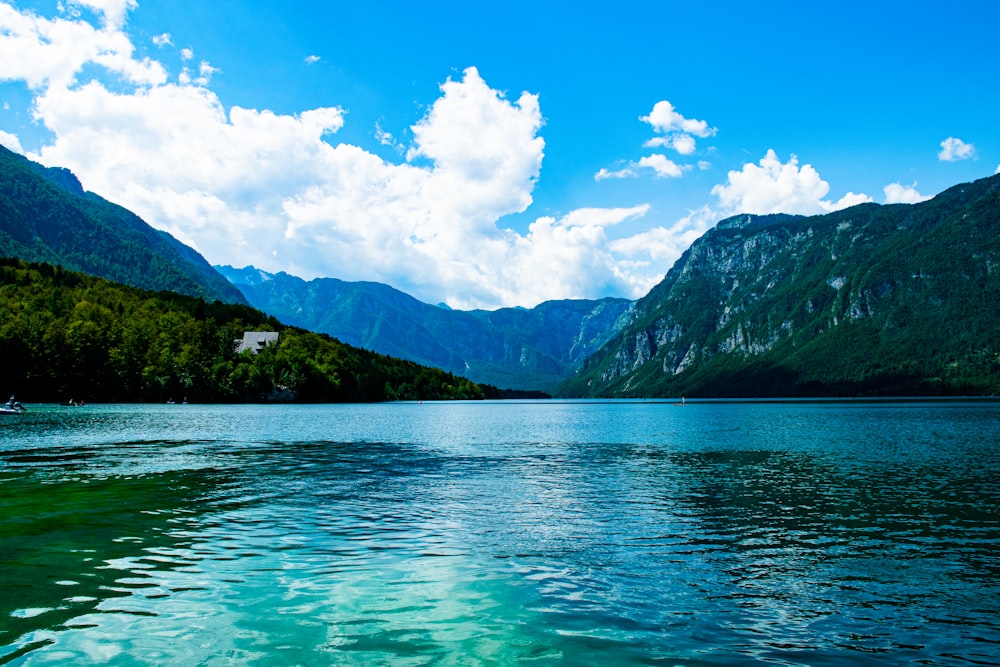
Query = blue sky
x=491 y=156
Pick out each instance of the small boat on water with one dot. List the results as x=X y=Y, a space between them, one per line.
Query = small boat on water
x=12 y=407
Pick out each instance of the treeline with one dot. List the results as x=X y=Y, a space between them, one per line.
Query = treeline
x=66 y=335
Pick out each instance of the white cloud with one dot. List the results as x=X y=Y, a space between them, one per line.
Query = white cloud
x=385 y=138
x=682 y=143
x=676 y=133
x=659 y=164
x=663 y=167
x=605 y=174
x=162 y=40
x=43 y=52
x=774 y=187
x=312 y=60
x=998 y=169
x=11 y=142
x=251 y=186
x=203 y=78
x=663 y=245
x=603 y=217
x=113 y=12
x=665 y=119
x=897 y=193
x=953 y=150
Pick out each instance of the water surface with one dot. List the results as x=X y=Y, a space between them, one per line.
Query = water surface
x=502 y=533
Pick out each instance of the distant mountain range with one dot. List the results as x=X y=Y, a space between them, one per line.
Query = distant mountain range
x=870 y=300
x=528 y=349
x=45 y=216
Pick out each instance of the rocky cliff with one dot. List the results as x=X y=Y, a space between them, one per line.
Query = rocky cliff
x=871 y=300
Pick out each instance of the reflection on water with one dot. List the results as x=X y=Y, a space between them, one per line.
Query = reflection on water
x=502 y=533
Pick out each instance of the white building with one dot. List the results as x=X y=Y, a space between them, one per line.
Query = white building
x=255 y=341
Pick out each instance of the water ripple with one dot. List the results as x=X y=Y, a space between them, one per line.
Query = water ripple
x=602 y=534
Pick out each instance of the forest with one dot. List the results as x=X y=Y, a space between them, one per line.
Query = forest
x=70 y=336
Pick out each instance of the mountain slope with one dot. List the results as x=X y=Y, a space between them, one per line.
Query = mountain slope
x=70 y=335
x=871 y=300
x=530 y=349
x=45 y=216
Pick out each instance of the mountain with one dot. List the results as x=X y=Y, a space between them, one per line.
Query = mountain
x=871 y=300
x=45 y=216
x=528 y=349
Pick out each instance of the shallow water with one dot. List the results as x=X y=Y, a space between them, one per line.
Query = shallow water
x=502 y=533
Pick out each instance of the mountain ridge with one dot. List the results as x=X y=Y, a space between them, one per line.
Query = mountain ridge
x=870 y=300
x=523 y=348
x=47 y=216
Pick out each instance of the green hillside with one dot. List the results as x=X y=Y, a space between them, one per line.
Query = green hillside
x=66 y=335
x=45 y=216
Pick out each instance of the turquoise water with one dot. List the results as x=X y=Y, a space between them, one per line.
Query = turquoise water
x=576 y=533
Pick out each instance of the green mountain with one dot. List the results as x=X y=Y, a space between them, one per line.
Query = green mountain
x=527 y=349
x=871 y=300
x=67 y=335
x=45 y=216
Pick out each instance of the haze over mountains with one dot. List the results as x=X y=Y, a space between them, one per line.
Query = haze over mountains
x=529 y=349
x=870 y=300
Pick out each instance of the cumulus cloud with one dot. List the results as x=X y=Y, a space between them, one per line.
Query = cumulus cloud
x=251 y=186
x=52 y=52
x=664 y=119
x=10 y=142
x=682 y=143
x=953 y=150
x=675 y=132
x=897 y=193
x=775 y=187
x=661 y=165
x=113 y=12
x=312 y=60
x=162 y=40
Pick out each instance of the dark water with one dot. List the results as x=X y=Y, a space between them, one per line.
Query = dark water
x=502 y=533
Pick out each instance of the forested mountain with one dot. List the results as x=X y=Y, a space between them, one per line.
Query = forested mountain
x=67 y=335
x=529 y=349
x=871 y=300
x=45 y=216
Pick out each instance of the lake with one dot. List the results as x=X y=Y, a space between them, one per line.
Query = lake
x=502 y=533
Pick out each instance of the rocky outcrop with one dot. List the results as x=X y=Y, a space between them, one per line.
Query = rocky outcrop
x=866 y=300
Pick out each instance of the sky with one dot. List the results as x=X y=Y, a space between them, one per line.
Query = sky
x=485 y=156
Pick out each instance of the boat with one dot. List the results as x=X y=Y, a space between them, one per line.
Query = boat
x=12 y=407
